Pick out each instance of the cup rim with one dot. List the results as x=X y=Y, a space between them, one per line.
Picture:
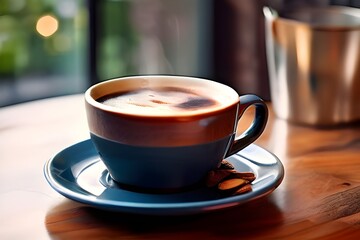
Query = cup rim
x=349 y=11
x=93 y=102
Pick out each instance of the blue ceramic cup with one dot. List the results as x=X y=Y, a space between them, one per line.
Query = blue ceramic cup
x=167 y=132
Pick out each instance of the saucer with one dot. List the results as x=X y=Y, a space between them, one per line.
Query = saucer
x=78 y=173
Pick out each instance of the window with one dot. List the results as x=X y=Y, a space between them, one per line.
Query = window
x=42 y=49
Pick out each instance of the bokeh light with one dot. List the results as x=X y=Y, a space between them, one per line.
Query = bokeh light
x=47 y=25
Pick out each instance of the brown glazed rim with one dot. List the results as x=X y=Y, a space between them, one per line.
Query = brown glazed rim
x=94 y=103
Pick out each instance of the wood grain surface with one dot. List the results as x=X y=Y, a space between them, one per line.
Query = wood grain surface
x=319 y=197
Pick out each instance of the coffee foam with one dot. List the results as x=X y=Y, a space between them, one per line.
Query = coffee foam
x=161 y=95
x=161 y=101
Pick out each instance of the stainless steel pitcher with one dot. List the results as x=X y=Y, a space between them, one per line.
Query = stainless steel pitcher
x=314 y=64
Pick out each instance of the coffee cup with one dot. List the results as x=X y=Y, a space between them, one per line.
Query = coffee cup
x=165 y=133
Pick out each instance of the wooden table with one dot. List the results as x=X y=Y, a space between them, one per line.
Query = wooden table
x=318 y=198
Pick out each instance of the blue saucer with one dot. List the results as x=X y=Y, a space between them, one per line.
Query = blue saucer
x=78 y=173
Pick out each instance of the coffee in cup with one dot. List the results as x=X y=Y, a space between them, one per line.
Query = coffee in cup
x=160 y=101
x=165 y=133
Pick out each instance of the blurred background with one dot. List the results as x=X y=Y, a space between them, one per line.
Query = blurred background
x=43 y=49
x=51 y=48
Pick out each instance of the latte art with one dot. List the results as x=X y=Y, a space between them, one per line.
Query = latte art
x=165 y=100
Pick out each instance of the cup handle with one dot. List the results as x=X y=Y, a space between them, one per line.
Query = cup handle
x=257 y=126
